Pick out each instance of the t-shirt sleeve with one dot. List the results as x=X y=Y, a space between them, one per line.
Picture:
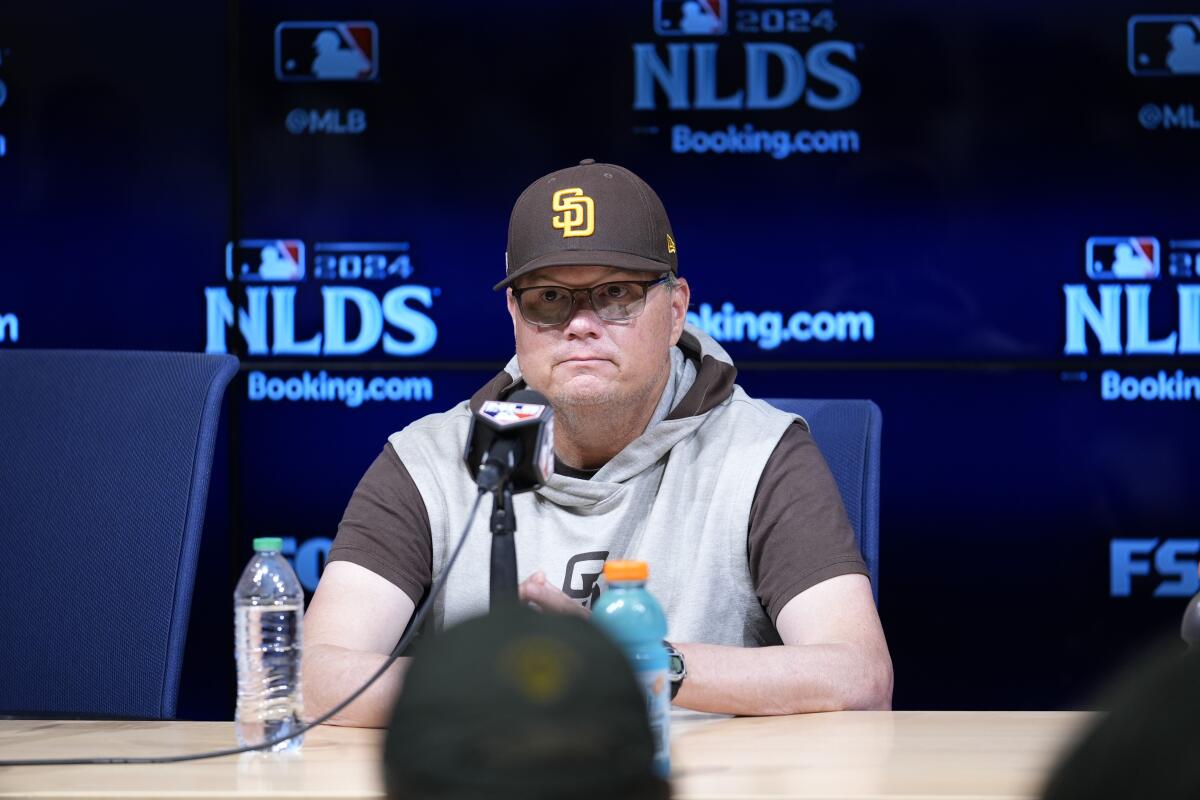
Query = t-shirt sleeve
x=799 y=534
x=385 y=527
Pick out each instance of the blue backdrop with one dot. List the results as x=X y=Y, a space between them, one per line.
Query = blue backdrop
x=980 y=216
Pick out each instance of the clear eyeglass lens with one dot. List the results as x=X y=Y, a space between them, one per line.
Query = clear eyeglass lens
x=614 y=301
x=546 y=305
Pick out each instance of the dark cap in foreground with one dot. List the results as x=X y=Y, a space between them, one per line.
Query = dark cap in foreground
x=520 y=704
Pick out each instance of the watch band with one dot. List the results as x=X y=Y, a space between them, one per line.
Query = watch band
x=676 y=668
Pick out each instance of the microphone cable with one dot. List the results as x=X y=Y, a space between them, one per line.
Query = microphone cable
x=417 y=619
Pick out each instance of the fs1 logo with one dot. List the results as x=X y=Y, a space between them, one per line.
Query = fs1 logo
x=1163 y=44
x=1110 y=259
x=1173 y=559
x=326 y=51
x=353 y=280
x=691 y=17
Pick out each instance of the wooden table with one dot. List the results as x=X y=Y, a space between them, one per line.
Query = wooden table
x=909 y=754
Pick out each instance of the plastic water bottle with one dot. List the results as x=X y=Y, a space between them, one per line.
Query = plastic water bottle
x=635 y=621
x=268 y=609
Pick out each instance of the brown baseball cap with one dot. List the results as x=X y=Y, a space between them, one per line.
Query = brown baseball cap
x=591 y=215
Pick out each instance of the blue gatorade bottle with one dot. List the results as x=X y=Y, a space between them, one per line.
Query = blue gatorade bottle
x=635 y=621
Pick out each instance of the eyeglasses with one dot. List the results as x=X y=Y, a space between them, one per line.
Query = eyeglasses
x=547 y=306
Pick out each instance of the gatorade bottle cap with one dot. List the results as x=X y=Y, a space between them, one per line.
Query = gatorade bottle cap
x=268 y=543
x=626 y=570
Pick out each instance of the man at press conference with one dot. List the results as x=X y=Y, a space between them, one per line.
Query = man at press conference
x=659 y=457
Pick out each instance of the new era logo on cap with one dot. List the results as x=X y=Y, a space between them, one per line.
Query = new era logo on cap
x=590 y=215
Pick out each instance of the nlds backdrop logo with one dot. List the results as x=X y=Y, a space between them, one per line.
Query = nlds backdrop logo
x=350 y=306
x=773 y=74
x=1127 y=270
x=741 y=58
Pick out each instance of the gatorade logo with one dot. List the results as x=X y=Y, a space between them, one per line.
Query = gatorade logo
x=581 y=581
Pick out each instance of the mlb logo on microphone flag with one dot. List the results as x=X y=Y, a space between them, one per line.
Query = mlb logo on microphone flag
x=327 y=51
x=504 y=414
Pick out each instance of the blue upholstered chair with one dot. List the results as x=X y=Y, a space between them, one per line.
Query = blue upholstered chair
x=848 y=432
x=104 y=467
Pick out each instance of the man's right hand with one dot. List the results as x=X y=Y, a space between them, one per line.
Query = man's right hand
x=353 y=622
x=547 y=597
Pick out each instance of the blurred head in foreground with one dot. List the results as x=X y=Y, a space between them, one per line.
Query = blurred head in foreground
x=520 y=704
x=1146 y=745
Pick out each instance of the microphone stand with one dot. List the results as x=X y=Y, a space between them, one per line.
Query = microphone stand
x=504 y=549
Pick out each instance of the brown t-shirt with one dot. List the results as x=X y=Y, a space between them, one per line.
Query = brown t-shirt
x=798 y=534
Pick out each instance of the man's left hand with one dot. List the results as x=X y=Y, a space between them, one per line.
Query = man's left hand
x=546 y=597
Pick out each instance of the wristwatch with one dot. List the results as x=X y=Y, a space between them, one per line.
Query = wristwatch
x=676 y=669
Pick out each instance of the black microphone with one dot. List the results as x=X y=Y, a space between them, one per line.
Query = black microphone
x=512 y=442
x=510 y=449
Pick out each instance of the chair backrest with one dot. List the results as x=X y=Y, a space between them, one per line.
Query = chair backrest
x=848 y=433
x=104 y=467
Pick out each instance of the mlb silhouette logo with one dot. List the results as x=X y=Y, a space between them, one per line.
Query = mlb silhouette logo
x=1123 y=258
x=326 y=51
x=256 y=260
x=1164 y=44
x=691 y=17
x=505 y=414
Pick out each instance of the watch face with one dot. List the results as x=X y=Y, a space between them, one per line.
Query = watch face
x=674 y=664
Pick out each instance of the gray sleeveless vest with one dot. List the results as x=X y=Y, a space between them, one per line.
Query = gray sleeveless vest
x=677 y=497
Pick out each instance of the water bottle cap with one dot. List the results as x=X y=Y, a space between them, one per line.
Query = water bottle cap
x=268 y=543
x=626 y=571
